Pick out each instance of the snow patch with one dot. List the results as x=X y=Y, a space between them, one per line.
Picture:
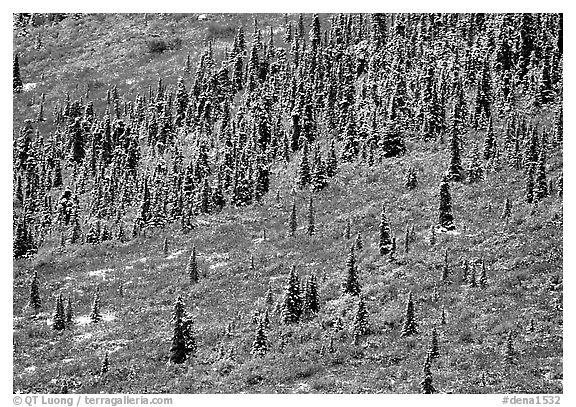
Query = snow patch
x=175 y=255
x=218 y=265
x=130 y=81
x=29 y=86
x=70 y=360
x=30 y=369
x=99 y=273
x=83 y=320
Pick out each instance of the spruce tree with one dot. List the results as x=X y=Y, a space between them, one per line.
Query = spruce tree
x=347 y=229
x=507 y=212
x=489 y=141
x=351 y=284
x=192 y=267
x=269 y=297
x=95 y=315
x=432 y=236
x=105 y=366
x=483 y=276
x=385 y=236
x=303 y=176
x=58 y=321
x=292 y=225
x=311 y=227
x=509 y=350
x=445 y=217
x=410 y=326
x=360 y=325
x=260 y=344
x=35 y=301
x=16 y=80
x=358 y=243
x=529 y=188
x=292 y=302
x=540 y=183
x=411 y=178
x=475 y=168
x=183 y=340
x=426 y=386
x=165 y=246
x=311 y=301
x=434 y=348
x=69 y=311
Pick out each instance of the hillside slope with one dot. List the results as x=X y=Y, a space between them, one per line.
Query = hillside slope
x=138 y=282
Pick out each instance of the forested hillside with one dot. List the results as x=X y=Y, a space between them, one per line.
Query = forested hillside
x=287 y=203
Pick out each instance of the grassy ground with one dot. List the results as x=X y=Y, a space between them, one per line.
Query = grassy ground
x=524 y=259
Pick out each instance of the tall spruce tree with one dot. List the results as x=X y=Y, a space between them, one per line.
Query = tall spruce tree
x=16 y=79
x=58 y=321
x=385 y=236
x=95 y=315
x=351 y=283
x=410 y=326
x=292 y=301
x=183 y=340
x=445 y=217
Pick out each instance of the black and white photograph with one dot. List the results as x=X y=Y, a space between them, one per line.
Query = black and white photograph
x=281 y=203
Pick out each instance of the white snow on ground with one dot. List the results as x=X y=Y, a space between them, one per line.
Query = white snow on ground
x=175 y=255
x=258 y=240
x=70 y=360
x=218 y=265
x=99 y=273
x=109 y=317
x=29 y=86
x=83 y=337
x=85 y=319
x=30 y=369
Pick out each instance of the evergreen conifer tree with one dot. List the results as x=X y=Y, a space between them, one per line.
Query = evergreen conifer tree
x=445 y=217
x=105 y=366
x=292 y=301
x=183 y=340
x=434 y=348
x=475 y=168
x=360 y=325
x=410 y=326
x=311 y=226
x=292 y=225
x=192 y=267
x=95 y=315
x=58 y=321
x=351 y=284
x=69 y=311
x=16 y=79
x=260 y=344
x=385 y=236
x=426 y=386
x=303 y=177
